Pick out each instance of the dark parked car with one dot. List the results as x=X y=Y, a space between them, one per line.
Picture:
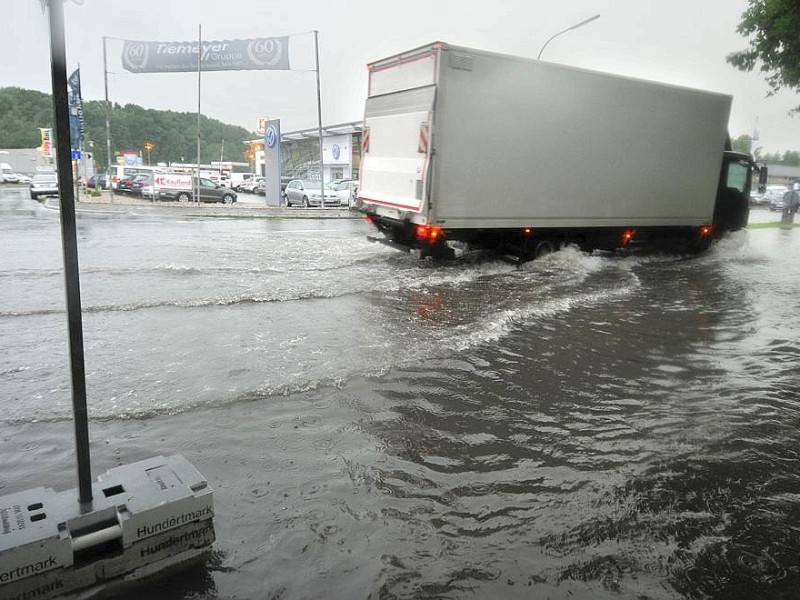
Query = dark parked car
x=142 y=185
x=124 y=185
x=209 y=192
x=99 y=181
x=44 y=184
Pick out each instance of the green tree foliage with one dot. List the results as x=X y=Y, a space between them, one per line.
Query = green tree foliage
x=742 y=143
x=174 y=134
x=773 y=27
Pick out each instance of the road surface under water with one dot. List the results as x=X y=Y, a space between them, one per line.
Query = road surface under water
x=584 y=426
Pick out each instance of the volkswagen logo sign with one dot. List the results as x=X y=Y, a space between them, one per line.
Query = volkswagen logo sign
x=336 y=151
x=271 y=136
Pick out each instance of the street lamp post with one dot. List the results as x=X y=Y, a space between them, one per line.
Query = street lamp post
x=581 y=24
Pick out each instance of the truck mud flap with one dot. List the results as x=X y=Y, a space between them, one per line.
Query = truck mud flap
x=438 y=252
x=388 y=242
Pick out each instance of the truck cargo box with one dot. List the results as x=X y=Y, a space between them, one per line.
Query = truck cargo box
x=468 y=140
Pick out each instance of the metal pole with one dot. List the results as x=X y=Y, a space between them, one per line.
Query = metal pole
x=581 y=24
x=69 y=242
x=319 y=125
x=108 y=120
x=199 y=70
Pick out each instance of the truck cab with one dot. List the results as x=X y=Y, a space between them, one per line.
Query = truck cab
x=732 y=206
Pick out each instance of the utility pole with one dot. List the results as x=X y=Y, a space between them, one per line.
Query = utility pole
x=108 y=120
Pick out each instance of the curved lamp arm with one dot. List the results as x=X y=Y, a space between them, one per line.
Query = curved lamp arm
x=581 y=24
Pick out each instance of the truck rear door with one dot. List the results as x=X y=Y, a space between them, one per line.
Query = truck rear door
x=396 y=139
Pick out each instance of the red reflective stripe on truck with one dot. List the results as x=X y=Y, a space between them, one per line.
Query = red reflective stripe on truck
x=422 y=146
x=392 y=204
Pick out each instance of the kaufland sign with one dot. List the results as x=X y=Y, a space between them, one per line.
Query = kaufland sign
x=223 y=55
x=173 y=181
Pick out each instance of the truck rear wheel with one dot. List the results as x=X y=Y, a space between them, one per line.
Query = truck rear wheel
x=543 y=248
x=183 y=197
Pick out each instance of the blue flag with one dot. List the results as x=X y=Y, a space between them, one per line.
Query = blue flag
x=76 y=125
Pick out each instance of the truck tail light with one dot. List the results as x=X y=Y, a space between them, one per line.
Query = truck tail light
x=706 y=230
x=368 y=219
x=627 y=236
x=527 y=231
x=429 y=234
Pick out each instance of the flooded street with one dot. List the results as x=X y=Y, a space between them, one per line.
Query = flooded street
x=585 y=426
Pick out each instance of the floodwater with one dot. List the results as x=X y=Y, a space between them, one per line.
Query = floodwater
x=585 y=426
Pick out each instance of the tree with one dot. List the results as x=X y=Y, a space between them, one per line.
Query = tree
x=742 y=143
x=23 y=112
x=773 y=27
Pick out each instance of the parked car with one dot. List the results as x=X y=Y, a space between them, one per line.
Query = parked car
x=307 y=193
x=142 y=185
x=24 y=178
x=124 y=185
x=209 y=192
x=346 y=189
x=249 y=185
x=756 y=197
x=98 y=181
x=44 y=184
x=235 y=180
x=771 y=192
x=7 y=174
x=787 y=199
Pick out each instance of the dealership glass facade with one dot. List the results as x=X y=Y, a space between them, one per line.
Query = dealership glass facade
x=300 y=153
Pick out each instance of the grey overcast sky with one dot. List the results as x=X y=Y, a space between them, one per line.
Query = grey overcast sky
x=683 y=42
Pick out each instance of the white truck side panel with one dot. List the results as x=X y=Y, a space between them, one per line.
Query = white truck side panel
x=414 y=71
x=527 y=143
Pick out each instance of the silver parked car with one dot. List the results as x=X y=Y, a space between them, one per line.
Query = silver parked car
x=306 y=192
x=44 y=184
x=346 y=189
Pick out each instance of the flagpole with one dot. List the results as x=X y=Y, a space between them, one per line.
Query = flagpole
x=108 y=121
x=319 y=125
x=199 y=70
x=79 y=161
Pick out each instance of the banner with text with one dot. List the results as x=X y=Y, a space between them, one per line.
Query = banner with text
x=47 y=142
x=224 y=55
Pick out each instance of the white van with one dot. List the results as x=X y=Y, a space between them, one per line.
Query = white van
x=119 y=172
x=235 y=180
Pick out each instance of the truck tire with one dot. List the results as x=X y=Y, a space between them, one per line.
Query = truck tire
x=183 y=197
x=227 y=199
x=543 y=248
x=34 y=196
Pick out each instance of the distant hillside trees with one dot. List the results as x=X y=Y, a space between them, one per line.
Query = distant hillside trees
x=23 y=112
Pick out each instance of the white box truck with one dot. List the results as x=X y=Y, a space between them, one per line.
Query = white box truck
x=523 y=156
